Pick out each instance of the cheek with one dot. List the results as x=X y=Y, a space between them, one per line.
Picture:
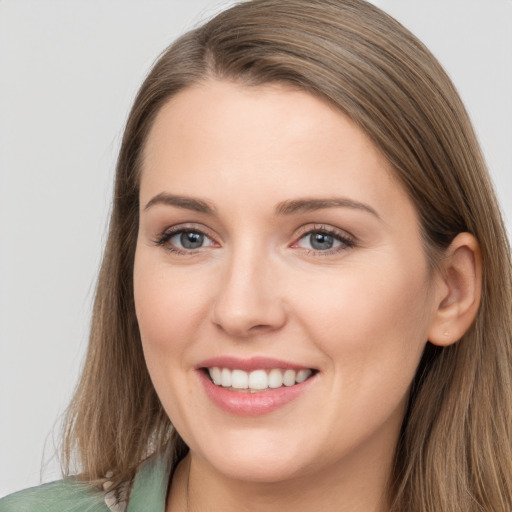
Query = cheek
x=370 y=324
x=168 y=306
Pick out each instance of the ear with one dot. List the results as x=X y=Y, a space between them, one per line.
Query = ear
x=458 y=290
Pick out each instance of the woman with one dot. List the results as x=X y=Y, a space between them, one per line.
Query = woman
x=304 y=299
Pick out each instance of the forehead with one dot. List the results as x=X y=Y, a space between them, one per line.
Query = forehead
x=220 y=111
x=271 y=141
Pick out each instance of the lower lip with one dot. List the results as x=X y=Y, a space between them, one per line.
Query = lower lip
x=252 y=404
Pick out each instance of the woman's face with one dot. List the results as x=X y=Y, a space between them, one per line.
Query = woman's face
x=276 y=245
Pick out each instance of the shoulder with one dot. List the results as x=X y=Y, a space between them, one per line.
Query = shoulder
x=61 y=496
x=147 y=492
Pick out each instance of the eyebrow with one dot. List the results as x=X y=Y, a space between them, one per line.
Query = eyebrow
x=283 y=208
x=185 y=202
x=309 y=205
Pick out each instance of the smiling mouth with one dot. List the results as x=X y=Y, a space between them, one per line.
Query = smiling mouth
x=257 y=380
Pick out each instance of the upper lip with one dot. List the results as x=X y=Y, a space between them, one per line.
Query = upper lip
x=250 y=364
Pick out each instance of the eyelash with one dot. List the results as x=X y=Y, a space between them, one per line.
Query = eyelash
x=346 y=241
x=164 y=237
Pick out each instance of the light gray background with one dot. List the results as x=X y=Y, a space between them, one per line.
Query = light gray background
x=69 y=70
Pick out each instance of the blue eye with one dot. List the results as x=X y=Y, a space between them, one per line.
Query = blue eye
x=184 y=240
x=189 y=239
x=323 y=241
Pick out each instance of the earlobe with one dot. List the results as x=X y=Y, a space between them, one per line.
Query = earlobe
x=459 y=289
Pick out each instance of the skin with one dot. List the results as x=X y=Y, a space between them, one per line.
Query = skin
x=360 y=313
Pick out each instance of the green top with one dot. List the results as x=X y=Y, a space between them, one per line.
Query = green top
x=148 y=493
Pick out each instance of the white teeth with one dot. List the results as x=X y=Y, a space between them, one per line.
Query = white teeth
x=257 y=379
x=289 y=377
x=226 y=378
x=239 y=379
x=302 y=375
x=275 y=378
x=216 y=376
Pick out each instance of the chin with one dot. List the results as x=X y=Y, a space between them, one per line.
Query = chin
x=260 y=470
x=257 y=459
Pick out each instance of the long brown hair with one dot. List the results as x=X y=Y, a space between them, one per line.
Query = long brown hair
x=455 y=449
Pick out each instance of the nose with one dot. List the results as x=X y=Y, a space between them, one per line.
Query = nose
x=248 y=300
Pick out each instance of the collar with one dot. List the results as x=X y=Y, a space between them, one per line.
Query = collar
x=150 y=485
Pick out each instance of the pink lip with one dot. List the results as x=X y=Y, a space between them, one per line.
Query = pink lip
x=248 y=365
x=244 y=403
